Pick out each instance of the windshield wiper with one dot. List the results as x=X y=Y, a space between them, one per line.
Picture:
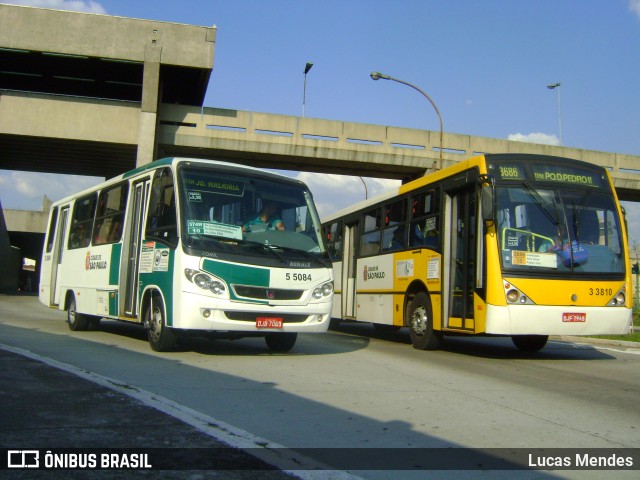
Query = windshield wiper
x=240 y=241
x=577 y=215
x=544 y=205
x=303 y=252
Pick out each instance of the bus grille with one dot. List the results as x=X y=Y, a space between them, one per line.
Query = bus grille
x=251 y=317
x=262 y=293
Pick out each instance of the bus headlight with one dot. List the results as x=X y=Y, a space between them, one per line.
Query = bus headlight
x=512 y=296
x=515 y=296
x=202 y=280
x=324 y=290
x=618 y=300
x=217 y=287
x=206 y=282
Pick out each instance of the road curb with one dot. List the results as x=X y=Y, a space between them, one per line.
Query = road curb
x=596 y=341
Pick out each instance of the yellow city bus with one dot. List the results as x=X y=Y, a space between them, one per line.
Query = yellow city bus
x=525 y=246
x=191 y=246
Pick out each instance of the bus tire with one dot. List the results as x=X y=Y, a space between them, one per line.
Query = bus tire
x=280 y=342
x=77 y=321
x=529 y=343
x=420 y=323
x=161 y=338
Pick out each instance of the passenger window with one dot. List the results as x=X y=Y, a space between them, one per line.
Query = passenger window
x=370 y=239
x=110 y=215
x=394 y=235
x=161 y=222
x=425 y=228
x=82 y=221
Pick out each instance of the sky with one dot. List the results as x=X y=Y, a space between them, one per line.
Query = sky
x=486 y=64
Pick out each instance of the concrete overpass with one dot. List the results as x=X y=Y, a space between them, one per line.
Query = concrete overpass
x=106 y=94
x=91 y=94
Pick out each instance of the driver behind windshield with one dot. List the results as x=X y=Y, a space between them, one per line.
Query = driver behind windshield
x=267 y=219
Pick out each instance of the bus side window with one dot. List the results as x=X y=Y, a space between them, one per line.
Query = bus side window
x=394 y=237
x=161 y=222
x=424 y=230
x=82 y=221
x=52 y=229
x=334 y=239
x=370 y=239
x=110 y=215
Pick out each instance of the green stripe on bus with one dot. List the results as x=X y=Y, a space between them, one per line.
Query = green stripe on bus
x=114 y=265
x=237 y=274
x=234 y=274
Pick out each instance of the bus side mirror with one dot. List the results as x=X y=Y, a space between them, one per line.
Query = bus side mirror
x=487 y=202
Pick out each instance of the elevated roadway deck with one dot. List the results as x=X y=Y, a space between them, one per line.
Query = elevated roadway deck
x=105 y=94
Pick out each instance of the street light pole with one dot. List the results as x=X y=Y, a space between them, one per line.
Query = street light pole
x=552 y=87
x=307 y=67
x=366 y=190
x=378 y=76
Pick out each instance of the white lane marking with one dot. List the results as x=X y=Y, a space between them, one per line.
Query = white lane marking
x=270 y=452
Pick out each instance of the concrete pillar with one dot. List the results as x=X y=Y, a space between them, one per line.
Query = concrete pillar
x=149 y=106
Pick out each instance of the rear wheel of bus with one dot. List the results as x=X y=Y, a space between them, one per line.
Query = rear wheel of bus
x=280 y=342
x=161 y=337
x=420 y=323
x=530 y=343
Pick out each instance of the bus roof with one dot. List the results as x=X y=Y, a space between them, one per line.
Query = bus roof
x=454 y=169
x=407 y=187
x=168 y=161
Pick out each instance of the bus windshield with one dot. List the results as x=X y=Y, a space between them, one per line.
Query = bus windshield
x=558 y=231
x=251 y=215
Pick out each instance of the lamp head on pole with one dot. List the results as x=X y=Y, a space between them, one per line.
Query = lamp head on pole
x=378 y=76
x=553 y=85
x=307 y=67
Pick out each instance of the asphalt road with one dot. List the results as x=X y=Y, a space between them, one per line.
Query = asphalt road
x=347 y=389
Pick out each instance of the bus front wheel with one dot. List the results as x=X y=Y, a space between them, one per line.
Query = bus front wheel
x=420 y=323
x=530 y=343
x=77 y=321
x=280 y=342
x=161 y=337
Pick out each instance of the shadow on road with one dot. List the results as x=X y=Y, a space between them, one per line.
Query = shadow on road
x=490 y=347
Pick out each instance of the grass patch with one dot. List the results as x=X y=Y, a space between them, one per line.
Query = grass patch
x=633 y=337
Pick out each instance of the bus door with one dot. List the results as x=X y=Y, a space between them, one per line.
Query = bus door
x=58 y=250
x=133 y=246
x=461 y=246
x=349 y=270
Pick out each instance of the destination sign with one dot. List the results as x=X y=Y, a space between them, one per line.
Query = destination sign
x=540 y=172
x=226 y=187
x=555 y=174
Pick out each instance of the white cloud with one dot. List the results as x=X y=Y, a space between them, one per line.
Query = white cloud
x=88 y=6
x=543 y=138
x=333 y=192
x=634 y=6
x=25 y=190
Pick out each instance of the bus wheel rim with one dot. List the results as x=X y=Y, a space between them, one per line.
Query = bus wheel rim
x=419 y=320
x=155 y=323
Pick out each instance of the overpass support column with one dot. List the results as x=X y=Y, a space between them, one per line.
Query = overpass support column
x=149 y=108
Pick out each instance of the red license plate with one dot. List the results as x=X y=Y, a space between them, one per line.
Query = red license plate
x=574 y=317
x=269 y=322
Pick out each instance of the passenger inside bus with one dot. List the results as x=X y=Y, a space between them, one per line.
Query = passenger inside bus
x=397 y=240
x=115 y=231
x=79 y=237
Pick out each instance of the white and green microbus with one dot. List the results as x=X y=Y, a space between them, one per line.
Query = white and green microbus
x=191 y=246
